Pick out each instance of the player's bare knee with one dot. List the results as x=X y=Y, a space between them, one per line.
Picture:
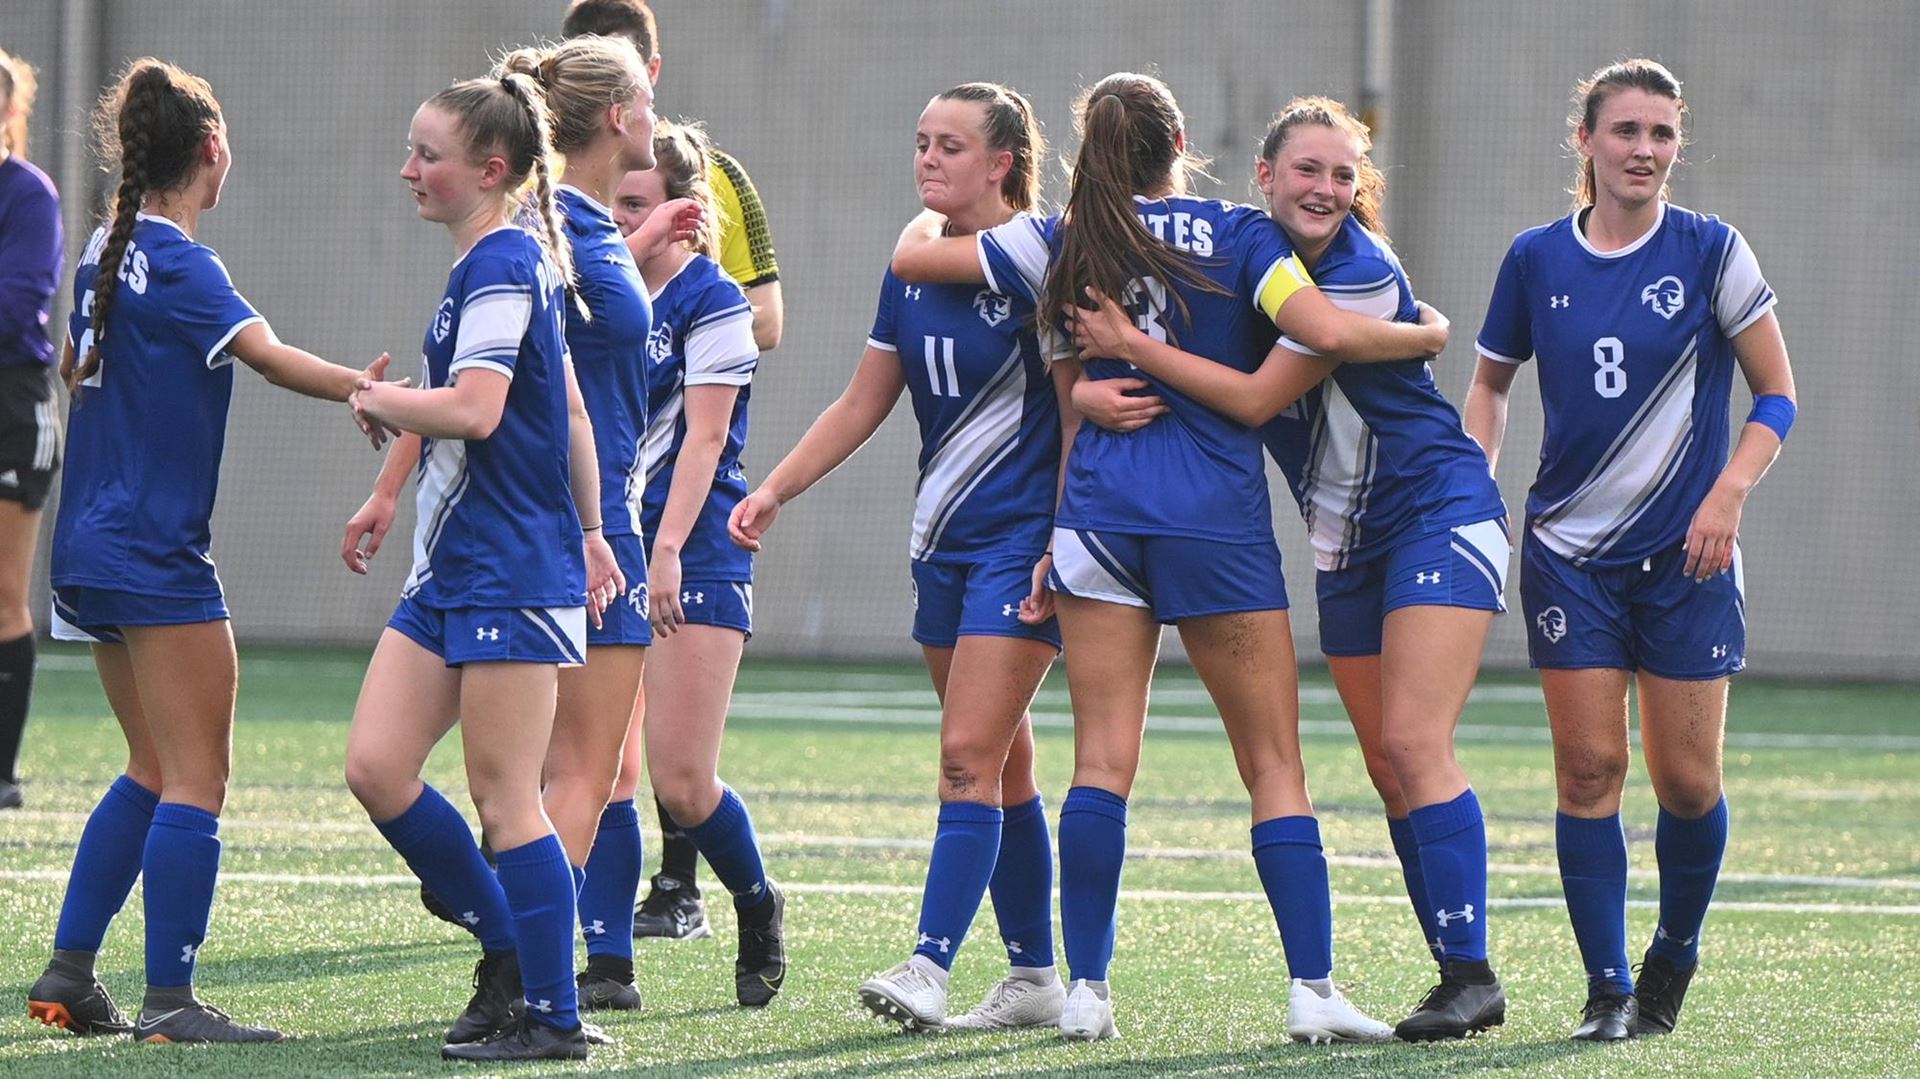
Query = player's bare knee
x=1688 y=797
x=1591 y=781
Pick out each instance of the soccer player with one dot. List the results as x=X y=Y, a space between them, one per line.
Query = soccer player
x=1639 y=311
x=30 y=251
x=702 y=361
x=1407 y=525
x=509 y=559
x=1171 y=523
x=672 y=909
x=156 y=324
x=989 y=463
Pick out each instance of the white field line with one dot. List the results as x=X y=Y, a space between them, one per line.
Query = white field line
x=1138 y=894
x=850 y=842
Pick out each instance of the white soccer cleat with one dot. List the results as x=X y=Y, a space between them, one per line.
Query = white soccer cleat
x=1313 y=1018
x=1086 y=1016
x=1013 y=1003
x=906 y=995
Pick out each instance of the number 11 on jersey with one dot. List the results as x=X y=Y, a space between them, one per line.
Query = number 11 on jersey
x=939 y=352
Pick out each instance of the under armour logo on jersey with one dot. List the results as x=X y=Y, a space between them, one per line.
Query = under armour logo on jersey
x=912 y=292
x=596 y=928
x=993 y=308
x=693 y=597
x=1552 y=623
x=468 y=917
x=1007 y=609
x=1719 y=651
x=1660 y=933
x=1427 y=578
x=1560 y=301
x=944 y=942
x=660 y=342
x=1666 y=296
x=1448 y=917
x=543 y=1006
x=443 y=320
x=486 y=633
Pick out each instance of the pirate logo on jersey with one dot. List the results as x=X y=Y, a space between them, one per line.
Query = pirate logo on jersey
x=660 y=343
x=993 y=307
x=443 y=320
x=1666 y=296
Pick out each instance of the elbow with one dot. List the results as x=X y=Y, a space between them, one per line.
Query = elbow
x=478 y=428
x=767 y=337
x=1329 y=340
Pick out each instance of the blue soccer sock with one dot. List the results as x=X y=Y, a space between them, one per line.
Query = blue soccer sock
x=965 y=844
x=438 y=846
x=181 y=862
x=1022 y=885
x=1689 y=853
x=1093 y=848
x=1593 y=874
x=727 y=841
x=1453 y=859
x=613 y=878
x=539 y=888
x=105 y=865
x=1293 y=870
x=1400 y=829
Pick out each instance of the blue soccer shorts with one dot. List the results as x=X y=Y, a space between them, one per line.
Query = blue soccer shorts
x=95 y=615
x=1461 y=567
x=462 y=635
x=1175 y=577
x=1648 y=615
x=952 y=600
x=727 y=604
x=625 y=622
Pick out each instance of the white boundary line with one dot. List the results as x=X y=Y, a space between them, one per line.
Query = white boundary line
x=1138 y=894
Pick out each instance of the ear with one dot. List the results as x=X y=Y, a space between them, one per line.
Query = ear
x=1583 y=139
x=653 y=70
x=617 y=118
x=210 y=149
x=493 y=172
x=1180 y=141
x=1263 y=176
x=1002 y=164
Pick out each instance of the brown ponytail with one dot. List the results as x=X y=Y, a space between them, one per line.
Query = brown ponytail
x=1009 y=125
x=150 y=126
x=680 y=154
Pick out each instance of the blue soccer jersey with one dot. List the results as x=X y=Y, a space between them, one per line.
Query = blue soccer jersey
x=609 y=353
x=146 y=430
x=702 y=336
x=989 y=419
x=496 y=521
x=1192 y=473
x=1376 y=454
x=1636 y=367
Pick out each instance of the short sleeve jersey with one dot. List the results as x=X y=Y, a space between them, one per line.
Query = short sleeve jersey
x=1636 y=368
x=1375 y=454
x=496 y=522
x=989 y=420
x=1194 y=472
x=609 y=353
x=746 y=240
x=702 y=336
x=146 y=431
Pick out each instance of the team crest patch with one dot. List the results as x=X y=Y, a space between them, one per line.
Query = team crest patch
x=1553 y=624
x=993 y=307
x=443 y=320
x=660 y=343
x=1666 y=296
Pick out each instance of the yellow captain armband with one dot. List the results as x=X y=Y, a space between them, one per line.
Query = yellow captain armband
x=1284 y=278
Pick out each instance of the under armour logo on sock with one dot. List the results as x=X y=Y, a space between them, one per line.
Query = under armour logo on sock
x=1448 y=917
x=543 y=1006
x=1013 y=948
x=596 y=928
x=1660 y=933
x=468 y=917
x=945 y=943
x=757 y=888
x=189 y=952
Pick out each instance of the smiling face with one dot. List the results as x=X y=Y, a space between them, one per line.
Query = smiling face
x=953 y=166
x=445 y=182
x=1632 y=145
x=637 y=196
x=1309 y=183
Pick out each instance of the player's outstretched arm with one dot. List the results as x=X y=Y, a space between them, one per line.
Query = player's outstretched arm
x=1251 y=399
x=924 y=256
x=1310 y=318
x=469 y=409
x=836 y=435
x=296 y=369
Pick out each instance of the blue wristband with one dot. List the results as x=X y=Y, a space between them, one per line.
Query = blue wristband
x=1775 y=411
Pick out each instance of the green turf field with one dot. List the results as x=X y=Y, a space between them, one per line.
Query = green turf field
x=1812 y=954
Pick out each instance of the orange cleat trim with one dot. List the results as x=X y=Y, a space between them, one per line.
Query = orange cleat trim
x=51 y=1014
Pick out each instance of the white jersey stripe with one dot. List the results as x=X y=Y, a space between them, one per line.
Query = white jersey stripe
x=979 y=439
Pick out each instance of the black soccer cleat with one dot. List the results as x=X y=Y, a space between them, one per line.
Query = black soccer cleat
x=1467 y=1001
x=1658 y=991
x=198 y=1022
x=1608 y=1017
x=607 y=985
x=11 y=796
x=524 y=1040
x=74 y=1000
x=671 y=911
x=498 y=1000
x=761 y=967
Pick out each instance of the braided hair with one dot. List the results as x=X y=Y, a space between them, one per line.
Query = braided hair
x=150 y=127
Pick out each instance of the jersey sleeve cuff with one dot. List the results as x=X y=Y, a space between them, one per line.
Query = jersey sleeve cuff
x=884 y=346
x=481 y=362
x=720 y=378
x=217 y=355
x=1497 y=357
x=1753 y=316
